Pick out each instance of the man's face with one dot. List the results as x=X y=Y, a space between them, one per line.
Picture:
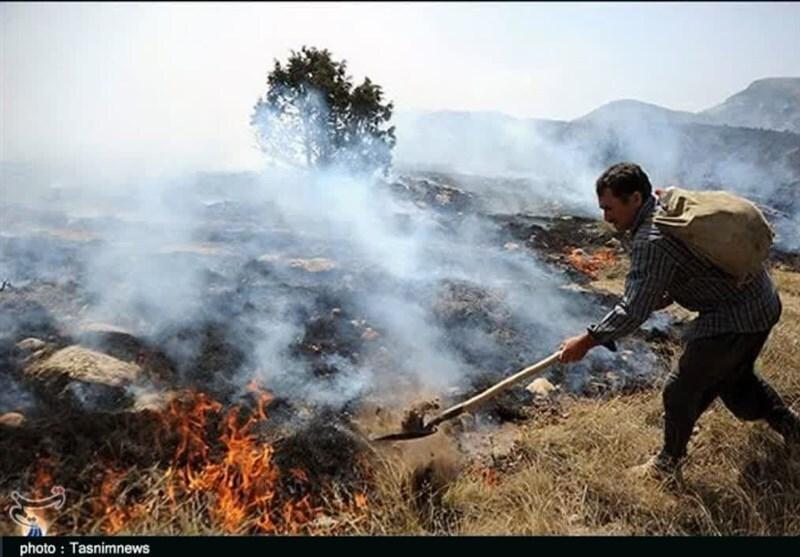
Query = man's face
x=617 y=212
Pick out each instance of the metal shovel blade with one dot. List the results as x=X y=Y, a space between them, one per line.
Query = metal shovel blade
x=406 y=435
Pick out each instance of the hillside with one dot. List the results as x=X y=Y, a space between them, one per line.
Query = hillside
x=771 y=103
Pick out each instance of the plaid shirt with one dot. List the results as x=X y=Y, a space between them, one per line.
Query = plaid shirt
x=663 y=266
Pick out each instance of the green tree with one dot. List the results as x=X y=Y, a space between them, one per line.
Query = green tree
x=313 y=116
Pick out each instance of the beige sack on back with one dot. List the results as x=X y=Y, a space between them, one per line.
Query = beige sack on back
x=727 y=230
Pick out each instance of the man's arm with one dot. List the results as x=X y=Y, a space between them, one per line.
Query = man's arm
x=645 y=286
x=645 y=290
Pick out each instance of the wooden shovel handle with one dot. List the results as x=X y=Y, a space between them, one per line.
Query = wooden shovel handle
x=494 y=390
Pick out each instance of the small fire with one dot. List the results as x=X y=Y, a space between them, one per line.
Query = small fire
x=232 y=465
x=114 y=515
x=360 y=501
x=489 y=476
x=216 y=460
x=591 y=264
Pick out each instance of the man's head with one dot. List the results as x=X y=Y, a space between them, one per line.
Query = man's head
x=621 y=191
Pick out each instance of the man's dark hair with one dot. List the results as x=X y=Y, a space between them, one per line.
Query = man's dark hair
x=624 y=178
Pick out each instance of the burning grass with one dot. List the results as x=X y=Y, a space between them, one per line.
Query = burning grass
x=213 y=470
x=591 y=264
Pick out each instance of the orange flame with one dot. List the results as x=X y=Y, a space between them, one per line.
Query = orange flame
x=241 y=474
x=107 y=502
x=360 y=500
x=489 y=476
x=591 y=264
x=219 y=455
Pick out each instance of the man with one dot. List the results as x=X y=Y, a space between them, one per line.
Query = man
x=722 y=344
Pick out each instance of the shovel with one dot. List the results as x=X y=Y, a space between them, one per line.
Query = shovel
x=423 y=429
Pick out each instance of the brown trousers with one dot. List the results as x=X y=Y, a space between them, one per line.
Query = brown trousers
x=719 y=366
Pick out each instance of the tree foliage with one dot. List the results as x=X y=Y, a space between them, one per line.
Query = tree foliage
x=313 y=116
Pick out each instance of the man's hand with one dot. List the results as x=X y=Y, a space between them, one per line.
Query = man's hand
x=575 y=348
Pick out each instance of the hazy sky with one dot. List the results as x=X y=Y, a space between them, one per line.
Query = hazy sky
x=158 y=86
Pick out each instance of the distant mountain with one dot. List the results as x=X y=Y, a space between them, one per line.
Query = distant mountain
x=628 y=110
x=772 y=103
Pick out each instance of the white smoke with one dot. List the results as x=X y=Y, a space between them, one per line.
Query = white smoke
x=361 y=227
x=142 y=275
x=167 y=253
